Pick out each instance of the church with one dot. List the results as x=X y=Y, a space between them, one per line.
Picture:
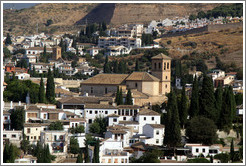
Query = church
x=146 y=88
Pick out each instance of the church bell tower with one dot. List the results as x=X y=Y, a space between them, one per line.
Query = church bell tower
x=161 y=68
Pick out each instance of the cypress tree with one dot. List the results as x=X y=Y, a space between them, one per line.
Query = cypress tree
x=219 y=98
x=6 y=153
x=226 y=115
x=87 y=157
x=232 y=152
x=117 y=95
x=233 y=104
x=194 y=104
x=74 y=45
x=129 y=98
x=79 y=158
x=96 y=152
x=50 y=87
x=44 y=52
x=172 y=127
x=207 y=99
x=47 y=155
x=183 y=112
x=11 y=154
x=106 y=67
x=137 y=65
x=41 y=91
x=116 y=67
x=8 y=40
x=120 y=102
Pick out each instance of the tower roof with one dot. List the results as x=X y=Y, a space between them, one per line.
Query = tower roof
x=161 y=56
x=141 y=76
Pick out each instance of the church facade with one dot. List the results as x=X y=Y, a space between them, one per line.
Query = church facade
x=146 y=88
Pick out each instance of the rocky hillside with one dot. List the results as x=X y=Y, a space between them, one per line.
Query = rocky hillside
x=68 y=17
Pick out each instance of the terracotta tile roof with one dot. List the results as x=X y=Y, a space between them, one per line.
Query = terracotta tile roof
x=84 y=100
x=63 y=91
x=161 y=56
x=118 y=131
x=106 y=79
x=156 y=125
x=36 y=124
x=128 y=122
x=128 y=106
x=147 y=112
x=99 y=106
x=113 y=115
x=141 y=76
x=32 y=108
x=117 y=127
x=6 y=113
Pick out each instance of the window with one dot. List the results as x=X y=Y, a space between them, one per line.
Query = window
x=90 y=120
x=122 y=160
x=159 y=65
x=124 y=118
x=91 y=89
x=153 y=118
x=28 y=130
x=155 y=65
x=6 y=118
x=90 y=112
x=136 y=85
x=166 y=77
x=35 y=137
x=157 y=141
x=106 y=90
x=197 y=150
x=157 y=132
x=167 y=65
x=106 y=112
x=114 y=120
x=4 y=135
x=115 y=112
x=27 y=137
x=13 y=136
x=96 y=112
x=203 y=150
x=55 y=137
x=164 y=66
x=109 y=160
x=144 y=118
x=166 y=85
x=36 y=129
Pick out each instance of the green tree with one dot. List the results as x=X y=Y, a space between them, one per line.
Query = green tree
x=195 y=130
x=148 y=157
x=8 y=40
x=201 y=14
x=207 y=99
x=192 y=17
x=6 y=52
x=44 y=52
x=41 y=94
x=117 y=95
x=106 y=67
x=198 y=160
x=96 y=152
x=79 y=158
x=74 y=145
x=232 y=152
x=57 y=125
x=219 y=99
x=87 y=157
x=226 y=114
x=25 y=144
x=94 y=128
x=120 y=101
x=50 y=87
x=183 y=108
x=116 y=67
x=137 y=65
x=172 y=127
x=194 y=104
x=129 y=98
x=6 y=153
x=17 y=118
x=74 y=45
x=223 y=157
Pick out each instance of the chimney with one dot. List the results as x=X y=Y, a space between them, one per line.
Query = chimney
x=19 y=103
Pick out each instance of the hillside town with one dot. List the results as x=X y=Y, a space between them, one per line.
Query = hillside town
x=73 y=98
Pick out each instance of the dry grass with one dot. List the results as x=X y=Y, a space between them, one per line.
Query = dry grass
x=228 y=41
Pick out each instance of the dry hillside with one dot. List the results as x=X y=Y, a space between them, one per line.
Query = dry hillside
x=227 y=43
x=68 y=17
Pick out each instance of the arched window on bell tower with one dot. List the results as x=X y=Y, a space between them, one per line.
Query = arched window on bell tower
x=167 y=65
x=159 y=65
x=155 y=65
x=164 y=65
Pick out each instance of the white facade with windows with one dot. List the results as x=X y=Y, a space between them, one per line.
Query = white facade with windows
x=104 y=42
x=12 y=136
